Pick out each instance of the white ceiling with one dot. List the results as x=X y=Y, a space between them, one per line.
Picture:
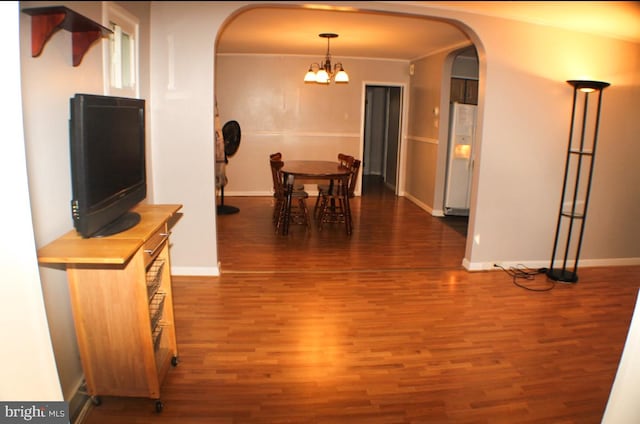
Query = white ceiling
x=283 y=30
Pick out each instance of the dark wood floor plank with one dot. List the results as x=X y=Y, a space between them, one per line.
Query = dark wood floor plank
x=382 y=327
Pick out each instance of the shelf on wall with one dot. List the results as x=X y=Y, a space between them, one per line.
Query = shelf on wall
x=45 y=21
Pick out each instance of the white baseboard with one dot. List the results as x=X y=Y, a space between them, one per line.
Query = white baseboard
x=609 y=262
x=470 y=266
x=79 y=403
x=196 y=271
x=82 y=413
x=488 y=266
x=247 y=193
x=420 y=204
x=312 y=189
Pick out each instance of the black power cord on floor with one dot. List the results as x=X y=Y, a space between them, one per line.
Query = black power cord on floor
x=523 y=273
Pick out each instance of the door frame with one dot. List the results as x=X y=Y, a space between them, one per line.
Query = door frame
x=444 y=134
x=398 y=187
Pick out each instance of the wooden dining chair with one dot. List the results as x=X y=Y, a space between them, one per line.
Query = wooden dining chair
x=278 y=156
x=333 y=207
x=276 y=164
x=299 y=213
x=344 y=160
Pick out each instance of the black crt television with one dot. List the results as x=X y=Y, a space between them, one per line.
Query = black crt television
x=108 y=171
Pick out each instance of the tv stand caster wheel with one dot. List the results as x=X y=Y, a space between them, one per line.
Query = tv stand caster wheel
x=96 y=400
x=174 y=361
x=159 y=406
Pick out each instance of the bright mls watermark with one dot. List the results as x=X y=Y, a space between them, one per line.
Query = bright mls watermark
x=34 y=412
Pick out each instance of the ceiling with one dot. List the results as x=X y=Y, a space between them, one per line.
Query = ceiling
x=294 y=31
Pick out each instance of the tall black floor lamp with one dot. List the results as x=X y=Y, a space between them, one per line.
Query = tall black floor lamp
x=581 y=152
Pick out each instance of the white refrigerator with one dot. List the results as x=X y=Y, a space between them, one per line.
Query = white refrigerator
x=462 y=131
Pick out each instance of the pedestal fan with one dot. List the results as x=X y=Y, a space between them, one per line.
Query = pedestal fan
x=231 y=137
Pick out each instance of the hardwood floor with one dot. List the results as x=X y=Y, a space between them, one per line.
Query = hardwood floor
x=384 y=326
x=389 y=233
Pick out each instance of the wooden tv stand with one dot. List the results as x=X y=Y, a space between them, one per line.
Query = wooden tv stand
x=120 y=288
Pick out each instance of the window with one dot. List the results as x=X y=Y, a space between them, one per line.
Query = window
x=121 y=52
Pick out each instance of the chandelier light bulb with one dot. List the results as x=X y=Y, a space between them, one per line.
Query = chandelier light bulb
x=341 y=75
x=322 y=76
x=323 y=72
x=310 y=76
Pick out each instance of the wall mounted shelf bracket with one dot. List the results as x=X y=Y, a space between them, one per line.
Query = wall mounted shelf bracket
x=45 y=21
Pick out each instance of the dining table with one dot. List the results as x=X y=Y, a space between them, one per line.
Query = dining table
x=334 y=172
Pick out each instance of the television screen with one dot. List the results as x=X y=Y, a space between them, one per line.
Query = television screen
x=108 y=172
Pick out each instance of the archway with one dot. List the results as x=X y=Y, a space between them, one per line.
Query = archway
x=405 y=131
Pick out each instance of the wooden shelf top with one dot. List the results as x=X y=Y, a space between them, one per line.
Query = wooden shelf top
x=72 y=21
x=117 y=249
x=45 y=21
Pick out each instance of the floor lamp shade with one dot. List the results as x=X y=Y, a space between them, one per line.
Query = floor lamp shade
x=576 y=187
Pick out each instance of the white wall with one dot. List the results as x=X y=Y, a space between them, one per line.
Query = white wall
x=183 y=38
x=524 y=130
x=48 y=82
x=283 y=114
x=523 y=114
x=29 y=370
x=423 y=143
x=622 y=406
x=524 y=117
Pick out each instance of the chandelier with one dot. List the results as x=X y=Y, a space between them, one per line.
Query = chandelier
x=323 y=73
